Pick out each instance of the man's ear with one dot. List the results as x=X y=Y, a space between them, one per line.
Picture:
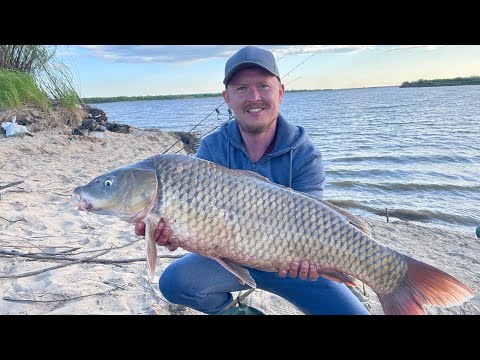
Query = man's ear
x=281 y=91
x=226 y=97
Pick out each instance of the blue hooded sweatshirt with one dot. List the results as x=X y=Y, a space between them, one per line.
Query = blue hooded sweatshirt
x=294 y=160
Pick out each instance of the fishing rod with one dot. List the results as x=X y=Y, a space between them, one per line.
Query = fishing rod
x=230 y=117
x=315 y=53
x=292 y=80
x=215 y=110
x=230 y=111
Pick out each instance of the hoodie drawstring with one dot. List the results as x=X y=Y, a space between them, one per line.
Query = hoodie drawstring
x=228 y=154
x=291 y=162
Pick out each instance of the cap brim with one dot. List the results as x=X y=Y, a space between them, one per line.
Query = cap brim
x=244 y=65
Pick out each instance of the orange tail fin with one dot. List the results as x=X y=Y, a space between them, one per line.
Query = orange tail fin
x=424 y=284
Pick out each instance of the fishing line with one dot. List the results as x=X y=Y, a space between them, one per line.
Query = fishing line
x=215 y=110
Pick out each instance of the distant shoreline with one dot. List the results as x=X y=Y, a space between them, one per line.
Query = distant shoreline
x=472 y=80
x=99 y=100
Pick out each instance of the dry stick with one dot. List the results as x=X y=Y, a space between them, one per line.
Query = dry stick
x=44 y=245
x=22 y=219
x=113 y=248
x=68 y=250
x=55 y=193
x=151 y=290
x=8 y=298
x=11 y=184
x=20 y=190
x=60 y=236
x=30 y=273
x=123 y=287
x=37 y=247
x=238 y=299
x=65 y=258
x=34 y=237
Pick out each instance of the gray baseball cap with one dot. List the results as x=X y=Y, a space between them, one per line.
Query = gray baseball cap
x=250 y=56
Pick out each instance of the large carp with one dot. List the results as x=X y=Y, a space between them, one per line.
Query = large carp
x=241 y=218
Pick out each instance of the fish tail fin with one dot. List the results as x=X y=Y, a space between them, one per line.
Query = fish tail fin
x=424 y=284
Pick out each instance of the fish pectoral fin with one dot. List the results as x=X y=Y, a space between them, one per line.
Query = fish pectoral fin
x=339 y=277
x=242 y=274
x=150 y=247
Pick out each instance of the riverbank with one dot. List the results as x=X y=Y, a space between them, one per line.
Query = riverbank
x=100 y=263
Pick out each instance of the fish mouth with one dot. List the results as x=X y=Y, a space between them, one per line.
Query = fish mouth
x=81 y=202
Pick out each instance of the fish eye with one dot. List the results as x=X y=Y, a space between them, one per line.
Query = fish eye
x=108 y=182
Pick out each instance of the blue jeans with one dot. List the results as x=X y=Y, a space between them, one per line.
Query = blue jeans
x=204 y=285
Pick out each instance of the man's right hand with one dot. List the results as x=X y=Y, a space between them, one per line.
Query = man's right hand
x=161 y=235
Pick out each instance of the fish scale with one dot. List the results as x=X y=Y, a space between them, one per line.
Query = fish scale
x=241 y=219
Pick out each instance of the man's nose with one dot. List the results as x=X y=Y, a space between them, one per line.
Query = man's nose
x=253 y=94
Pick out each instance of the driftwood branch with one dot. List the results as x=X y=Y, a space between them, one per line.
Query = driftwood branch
x=113 y=248
x=11 y=184
x=30 y=273
x=14 y=221
x=8 y=298
x=67 y=258
x=69 y=248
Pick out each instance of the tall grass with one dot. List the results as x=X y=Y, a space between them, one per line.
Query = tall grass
x=18 y=89
x=25 y=58
x=37 y=87
x=60 y=82
x=49 y=73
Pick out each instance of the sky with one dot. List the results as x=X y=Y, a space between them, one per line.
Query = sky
x=141 y=70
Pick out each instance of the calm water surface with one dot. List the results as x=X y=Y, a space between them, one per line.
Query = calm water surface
x=414 y=151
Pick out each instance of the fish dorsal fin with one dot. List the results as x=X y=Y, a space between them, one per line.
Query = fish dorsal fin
x=253 y=174
x=242 y=274
x=355 y=220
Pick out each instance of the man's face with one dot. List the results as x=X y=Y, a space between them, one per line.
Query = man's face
x=254 y=95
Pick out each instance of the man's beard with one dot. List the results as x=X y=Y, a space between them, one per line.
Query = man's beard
x=255 y=128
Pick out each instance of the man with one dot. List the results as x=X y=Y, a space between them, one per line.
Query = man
x=260 y=140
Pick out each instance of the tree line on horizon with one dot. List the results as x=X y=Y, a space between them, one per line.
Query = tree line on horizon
x=471 y=80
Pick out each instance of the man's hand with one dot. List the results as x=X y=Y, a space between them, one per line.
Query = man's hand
x=303 y=269
x=161 y=235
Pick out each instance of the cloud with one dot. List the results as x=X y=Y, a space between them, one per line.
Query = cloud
x=193 y=53
x=405 y=47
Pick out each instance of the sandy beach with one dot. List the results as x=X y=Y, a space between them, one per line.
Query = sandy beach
x=56 y=259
